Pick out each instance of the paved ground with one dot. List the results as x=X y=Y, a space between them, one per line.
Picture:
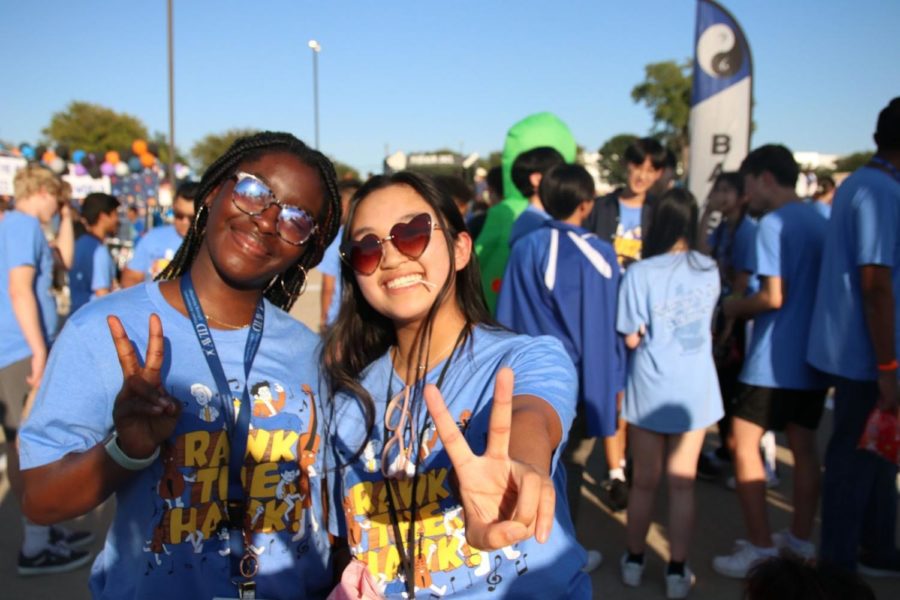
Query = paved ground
x=718 y=524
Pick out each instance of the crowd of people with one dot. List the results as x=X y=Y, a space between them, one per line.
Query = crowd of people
x=431 y=439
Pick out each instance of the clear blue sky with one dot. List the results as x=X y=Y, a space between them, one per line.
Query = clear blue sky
x=423 y=75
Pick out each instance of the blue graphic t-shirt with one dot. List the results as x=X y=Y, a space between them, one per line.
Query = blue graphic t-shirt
x=445 y=564
x=155 y=251
x=671 y=385
x=22 y=243
x=92 y=270
x=864 y=230
x=788 y=245
x=331 y=265
x=628 y=239
x=165 y=540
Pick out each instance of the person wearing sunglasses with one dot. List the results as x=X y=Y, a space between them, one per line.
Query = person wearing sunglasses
x=217 y=479
x=464 y=419
x=154 y=251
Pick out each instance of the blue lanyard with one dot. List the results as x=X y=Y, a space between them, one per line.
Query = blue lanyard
x=891 y=169
x=238 y=428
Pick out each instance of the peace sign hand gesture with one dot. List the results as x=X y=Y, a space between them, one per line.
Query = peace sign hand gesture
x=505 y=501
x=144 y=415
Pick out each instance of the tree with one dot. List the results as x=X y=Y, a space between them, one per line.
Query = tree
x=345 y=171
x=94 y=128
x=852 y=162
x=666 y=90
x=612 y=165
x=161 y=141
x=210 y=147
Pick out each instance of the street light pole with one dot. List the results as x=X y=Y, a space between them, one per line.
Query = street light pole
x=316 y=48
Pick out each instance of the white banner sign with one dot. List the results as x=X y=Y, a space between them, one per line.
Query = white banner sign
x=8 y=167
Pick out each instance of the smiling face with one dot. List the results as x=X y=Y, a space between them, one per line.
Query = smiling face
x=245 y=250
x=642 y=177
x=403 y=289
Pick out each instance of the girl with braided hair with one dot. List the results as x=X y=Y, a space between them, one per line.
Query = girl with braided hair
x=265 y=212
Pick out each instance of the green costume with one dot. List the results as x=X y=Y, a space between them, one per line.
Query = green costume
x=492 y=246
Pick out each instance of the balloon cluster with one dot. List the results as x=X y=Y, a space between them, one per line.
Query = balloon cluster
x=141 y=155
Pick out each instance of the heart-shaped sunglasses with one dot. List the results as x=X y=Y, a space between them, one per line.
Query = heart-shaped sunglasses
x=410 y=239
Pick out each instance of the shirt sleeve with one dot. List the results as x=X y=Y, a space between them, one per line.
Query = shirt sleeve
x=742 y=251
x=542 y=368
x=876 y=235
x=73 y=409
x=140 y=260
x=768 y=246
x=23 y=246
x=101 y=278
x=331 y=259
x=632 y=312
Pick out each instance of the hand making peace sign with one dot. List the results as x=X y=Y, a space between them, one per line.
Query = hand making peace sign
x=144 y=415
x=505 y=501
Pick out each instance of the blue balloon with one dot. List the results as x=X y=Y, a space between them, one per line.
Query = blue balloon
x=134 y=163
x=28 y=151
x=78 y=155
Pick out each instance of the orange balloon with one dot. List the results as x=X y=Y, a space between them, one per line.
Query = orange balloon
x=48 y=156
x=139 y=147
x=112 y=157
x=147 y=159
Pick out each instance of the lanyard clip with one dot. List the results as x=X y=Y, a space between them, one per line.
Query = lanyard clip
x=247 y=589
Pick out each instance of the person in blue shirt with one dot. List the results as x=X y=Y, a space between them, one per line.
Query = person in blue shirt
x=28 y=324
x=157 y=248
x=732 y=245
x=779 y=391
x=527 y=171
x=621 y=218
x=665 y=311
x=563 y=281
x=93 y=273
x=330 y=267
x=856 y=339
x=446 y=431
x=201 y=411
x=824 y=196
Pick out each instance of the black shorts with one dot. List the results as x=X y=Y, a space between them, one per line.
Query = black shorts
x=774 y=408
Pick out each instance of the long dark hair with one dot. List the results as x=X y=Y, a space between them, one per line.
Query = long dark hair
x=285 y=288
x=360 y=334
x=674 y=218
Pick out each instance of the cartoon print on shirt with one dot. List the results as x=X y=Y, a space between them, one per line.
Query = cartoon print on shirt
x=265 y=403
x=203 y=396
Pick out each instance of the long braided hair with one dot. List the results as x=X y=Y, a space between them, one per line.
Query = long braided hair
x=286 y=287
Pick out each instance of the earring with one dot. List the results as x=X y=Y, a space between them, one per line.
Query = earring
x=302 y=285
x=196 y=223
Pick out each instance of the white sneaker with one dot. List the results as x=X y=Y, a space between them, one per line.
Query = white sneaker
x=631 y=572
x=788 y=543
x=594 y=560
x=745 y=555
x=678 y=586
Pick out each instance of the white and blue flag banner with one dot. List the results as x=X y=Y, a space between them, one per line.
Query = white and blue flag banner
x=722 y=98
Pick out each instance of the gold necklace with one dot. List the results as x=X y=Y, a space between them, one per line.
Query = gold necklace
x=229 y=325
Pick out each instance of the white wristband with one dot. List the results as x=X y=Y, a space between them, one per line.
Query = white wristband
x=125 y=461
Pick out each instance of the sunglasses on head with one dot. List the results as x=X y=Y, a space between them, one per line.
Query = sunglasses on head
x=252 y=197
x=410 y=239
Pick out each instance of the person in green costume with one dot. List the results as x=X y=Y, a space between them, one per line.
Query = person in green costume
x=492 y=245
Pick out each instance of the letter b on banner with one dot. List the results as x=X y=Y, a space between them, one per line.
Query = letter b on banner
x=721 y=143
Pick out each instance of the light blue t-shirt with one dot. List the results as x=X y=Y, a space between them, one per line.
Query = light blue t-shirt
x=823 y=208
x=164 y=541
x=92 y=270
x=331 y=265
x=22 y=243
x=671 y=385
x=155 y=251
x=360 y=513
x=735 y=253
x=530 y=220
x=864 y=230
x=789 y=245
